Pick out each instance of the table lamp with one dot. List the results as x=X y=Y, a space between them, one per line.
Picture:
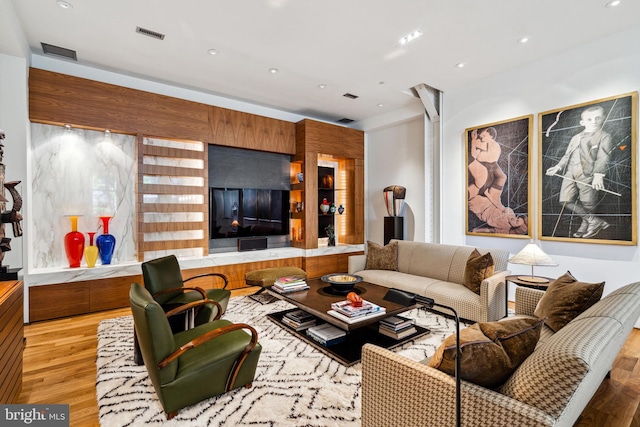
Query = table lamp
x=534 y=256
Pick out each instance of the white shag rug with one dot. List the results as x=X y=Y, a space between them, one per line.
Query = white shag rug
x=295 y=384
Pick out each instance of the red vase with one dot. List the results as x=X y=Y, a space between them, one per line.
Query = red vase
x=74 y=244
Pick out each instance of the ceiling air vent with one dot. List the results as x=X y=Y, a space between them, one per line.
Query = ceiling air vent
x=61 y=52
x=350 y=96
x=150 y=33
x=345 y=120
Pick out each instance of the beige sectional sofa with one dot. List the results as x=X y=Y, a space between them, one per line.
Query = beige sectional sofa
x=550 y=388
x=436 y=271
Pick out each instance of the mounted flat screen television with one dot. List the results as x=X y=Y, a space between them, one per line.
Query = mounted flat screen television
x=248 y=212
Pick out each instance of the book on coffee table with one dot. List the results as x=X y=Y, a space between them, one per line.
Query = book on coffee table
x=326 y=334
x=351 y=320
x=345 y=308
x=299 y=319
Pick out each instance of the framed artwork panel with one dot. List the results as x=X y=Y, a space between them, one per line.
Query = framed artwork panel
x=588 y=172
x=498 y=163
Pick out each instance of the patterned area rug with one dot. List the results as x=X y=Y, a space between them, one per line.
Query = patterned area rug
x=295 y=384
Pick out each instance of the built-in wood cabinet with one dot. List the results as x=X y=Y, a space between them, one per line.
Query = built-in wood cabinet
x=59 y=99
x=322 y=145
x=11 y=340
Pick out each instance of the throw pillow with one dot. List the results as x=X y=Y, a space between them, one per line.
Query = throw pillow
x=565 y=299
x=490 y=351
x=382 y=257
x=478 y=268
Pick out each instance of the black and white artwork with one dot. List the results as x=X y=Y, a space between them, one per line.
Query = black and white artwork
x=587 y=172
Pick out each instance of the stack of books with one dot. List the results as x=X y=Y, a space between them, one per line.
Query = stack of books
x=299 y=319
x=397 y=327
x=287 y=284
x=326 y=334
x=344 y=311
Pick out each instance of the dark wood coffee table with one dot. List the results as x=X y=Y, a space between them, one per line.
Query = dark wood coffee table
x=317 y=301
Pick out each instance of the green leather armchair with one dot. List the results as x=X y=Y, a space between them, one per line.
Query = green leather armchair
x=190 y=366
x=163 y=278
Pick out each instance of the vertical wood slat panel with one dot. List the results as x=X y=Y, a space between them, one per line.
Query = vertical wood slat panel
x=166 y=189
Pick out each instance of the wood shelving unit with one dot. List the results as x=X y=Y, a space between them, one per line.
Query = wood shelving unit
x=318 y=143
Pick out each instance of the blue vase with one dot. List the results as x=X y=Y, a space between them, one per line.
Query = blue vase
x=106 y=242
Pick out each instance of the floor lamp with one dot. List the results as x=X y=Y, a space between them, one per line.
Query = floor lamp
x=409 y=298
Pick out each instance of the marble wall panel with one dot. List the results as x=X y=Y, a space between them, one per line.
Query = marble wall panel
x=81 y=172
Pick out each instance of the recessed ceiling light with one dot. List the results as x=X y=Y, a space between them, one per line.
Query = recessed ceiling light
x=406 y=39
x=322 y=86
x=381 y=105
x=273 y=70
x=380 y=82
x=212 y=52
x=523 y=40
x=460 y=65
x=613 y=3
x=64 y=4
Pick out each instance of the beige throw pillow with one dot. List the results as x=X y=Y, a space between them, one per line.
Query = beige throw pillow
x=491 y=351
x=478 y=268
x=565 y=299
x=382 y=257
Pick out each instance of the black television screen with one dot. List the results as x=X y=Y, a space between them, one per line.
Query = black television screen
x=248 y=212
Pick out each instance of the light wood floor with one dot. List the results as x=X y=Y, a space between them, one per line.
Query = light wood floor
x=60 y=367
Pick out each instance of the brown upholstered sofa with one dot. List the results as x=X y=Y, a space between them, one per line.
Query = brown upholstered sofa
x=437 y=271
x=551 y=387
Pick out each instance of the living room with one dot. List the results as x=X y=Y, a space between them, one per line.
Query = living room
x=434 y=176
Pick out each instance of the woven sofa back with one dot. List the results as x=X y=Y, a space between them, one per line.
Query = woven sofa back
x=442 y=262
x=549 y=377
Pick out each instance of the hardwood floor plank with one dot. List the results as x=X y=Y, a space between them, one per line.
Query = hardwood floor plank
x=60 y=367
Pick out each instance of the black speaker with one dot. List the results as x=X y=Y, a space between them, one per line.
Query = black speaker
x=252 y=244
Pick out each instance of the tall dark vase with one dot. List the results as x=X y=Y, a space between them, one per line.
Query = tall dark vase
x=106 y=242
x=74 y=244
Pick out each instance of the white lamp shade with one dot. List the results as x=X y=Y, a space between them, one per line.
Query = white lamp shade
x=532 y=255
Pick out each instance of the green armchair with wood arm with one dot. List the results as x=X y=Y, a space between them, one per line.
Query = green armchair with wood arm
x=190 y=366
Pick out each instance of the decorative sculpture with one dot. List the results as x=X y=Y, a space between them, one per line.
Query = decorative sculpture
x=12 y=216
x=394 y=199
x=394 y=223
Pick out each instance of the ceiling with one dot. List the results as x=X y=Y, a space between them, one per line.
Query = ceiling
x=351 y=46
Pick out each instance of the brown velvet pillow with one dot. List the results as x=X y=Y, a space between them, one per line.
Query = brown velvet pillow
x=478 y=268
x=491 y=351
x=382 y=257
x=565 y=299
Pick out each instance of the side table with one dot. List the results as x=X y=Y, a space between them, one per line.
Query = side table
x=516 y=280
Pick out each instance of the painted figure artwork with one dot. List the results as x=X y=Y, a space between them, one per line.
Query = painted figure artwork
x=498 y=178
x=588 y=172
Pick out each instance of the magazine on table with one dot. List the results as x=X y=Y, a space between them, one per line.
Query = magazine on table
x=345 y=308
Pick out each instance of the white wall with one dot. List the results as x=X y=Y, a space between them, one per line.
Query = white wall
x=395 y=156
x=14 y=121
x=600 y=69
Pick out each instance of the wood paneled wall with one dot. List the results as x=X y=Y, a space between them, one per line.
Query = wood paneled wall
x=237 y=129
x=330 y=139
x=11 y=340
x=59 y=99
